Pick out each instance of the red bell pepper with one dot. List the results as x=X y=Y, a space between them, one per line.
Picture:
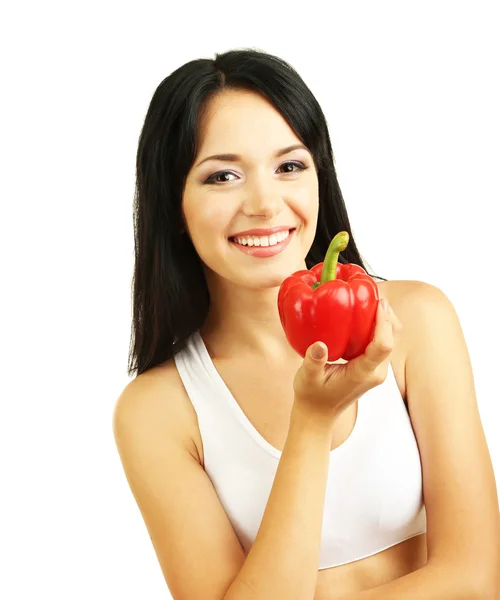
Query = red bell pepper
x=332 y=303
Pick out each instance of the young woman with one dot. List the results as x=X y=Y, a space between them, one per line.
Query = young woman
x=260 y=474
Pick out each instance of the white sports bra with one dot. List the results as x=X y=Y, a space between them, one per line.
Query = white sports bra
x=374 y=494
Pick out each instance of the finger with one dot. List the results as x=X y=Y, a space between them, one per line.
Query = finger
x=315 y=359
x=383 y=340
x=396 y=322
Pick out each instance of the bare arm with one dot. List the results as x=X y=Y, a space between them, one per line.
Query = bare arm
x=283 y=561
x=196 y=546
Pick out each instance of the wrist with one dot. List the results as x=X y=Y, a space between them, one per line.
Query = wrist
x=320 y=424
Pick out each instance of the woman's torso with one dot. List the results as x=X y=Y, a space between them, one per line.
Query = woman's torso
x=249 y=382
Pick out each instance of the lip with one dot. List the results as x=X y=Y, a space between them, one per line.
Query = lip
x=259 y=232
x=265 y=251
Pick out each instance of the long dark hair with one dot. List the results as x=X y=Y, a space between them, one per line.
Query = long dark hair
x=170 y=294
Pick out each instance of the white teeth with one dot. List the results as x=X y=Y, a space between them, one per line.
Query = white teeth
x=271 y=240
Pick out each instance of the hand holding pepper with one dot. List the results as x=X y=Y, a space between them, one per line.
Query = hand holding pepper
x=333 y=303
x=323 y=391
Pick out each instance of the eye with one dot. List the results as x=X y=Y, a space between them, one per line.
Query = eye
x=300 y=167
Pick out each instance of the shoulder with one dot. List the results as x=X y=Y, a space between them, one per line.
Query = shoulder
x=427 y=316
x=403 y=295
x=402 y=290
x=155 y=401
x=413 y=299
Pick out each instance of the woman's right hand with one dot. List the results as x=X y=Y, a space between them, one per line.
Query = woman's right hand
x=325 y=390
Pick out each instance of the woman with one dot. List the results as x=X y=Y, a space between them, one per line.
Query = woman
x=260 y=474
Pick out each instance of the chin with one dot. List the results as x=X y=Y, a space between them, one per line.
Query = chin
x=272 y=278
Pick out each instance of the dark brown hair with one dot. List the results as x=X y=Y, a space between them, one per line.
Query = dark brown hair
x=170 y=295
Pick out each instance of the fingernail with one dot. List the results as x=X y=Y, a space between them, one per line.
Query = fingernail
x=317 y=352
x=385 y=305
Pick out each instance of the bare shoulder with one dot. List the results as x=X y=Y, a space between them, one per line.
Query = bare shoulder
x=399 y=290
x=412 y=300
x=405 y=295
x=157 y=399
x=196 y=546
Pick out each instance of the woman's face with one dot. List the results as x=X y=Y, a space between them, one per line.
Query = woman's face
x=259 y=190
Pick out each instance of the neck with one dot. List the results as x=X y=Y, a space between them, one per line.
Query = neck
x=244 y=320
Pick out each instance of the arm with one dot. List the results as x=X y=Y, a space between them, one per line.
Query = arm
x=283 y=561
x=463 y=524
x=196 y=546
x=430 y=583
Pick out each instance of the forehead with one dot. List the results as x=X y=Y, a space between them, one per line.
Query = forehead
x=234 y=120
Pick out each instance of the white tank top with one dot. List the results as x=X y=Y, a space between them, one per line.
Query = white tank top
x=374 y=494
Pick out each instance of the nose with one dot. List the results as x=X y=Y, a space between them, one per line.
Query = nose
x=263 y=200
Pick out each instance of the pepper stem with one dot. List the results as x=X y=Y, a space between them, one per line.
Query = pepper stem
x=329 y=270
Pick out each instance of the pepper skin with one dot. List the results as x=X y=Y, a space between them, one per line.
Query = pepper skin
x=339 y=310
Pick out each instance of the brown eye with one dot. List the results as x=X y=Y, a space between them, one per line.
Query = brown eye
x=214 y=178
x=300 y=166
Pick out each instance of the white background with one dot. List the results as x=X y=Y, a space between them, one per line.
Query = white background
x=410 y=92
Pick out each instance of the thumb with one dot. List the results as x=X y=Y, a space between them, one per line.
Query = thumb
x=312 y=370
x=316 y=356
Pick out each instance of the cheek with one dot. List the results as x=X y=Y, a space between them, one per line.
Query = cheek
x=205 y=214
x=211 y=220
x=209 y=224
x=306 y=201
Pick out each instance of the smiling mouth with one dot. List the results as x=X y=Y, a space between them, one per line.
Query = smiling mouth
x=267 y=241
x=266 y=250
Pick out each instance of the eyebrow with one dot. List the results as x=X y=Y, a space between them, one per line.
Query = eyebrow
x=236 y=157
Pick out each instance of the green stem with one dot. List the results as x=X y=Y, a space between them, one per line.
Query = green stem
x=329 y=270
